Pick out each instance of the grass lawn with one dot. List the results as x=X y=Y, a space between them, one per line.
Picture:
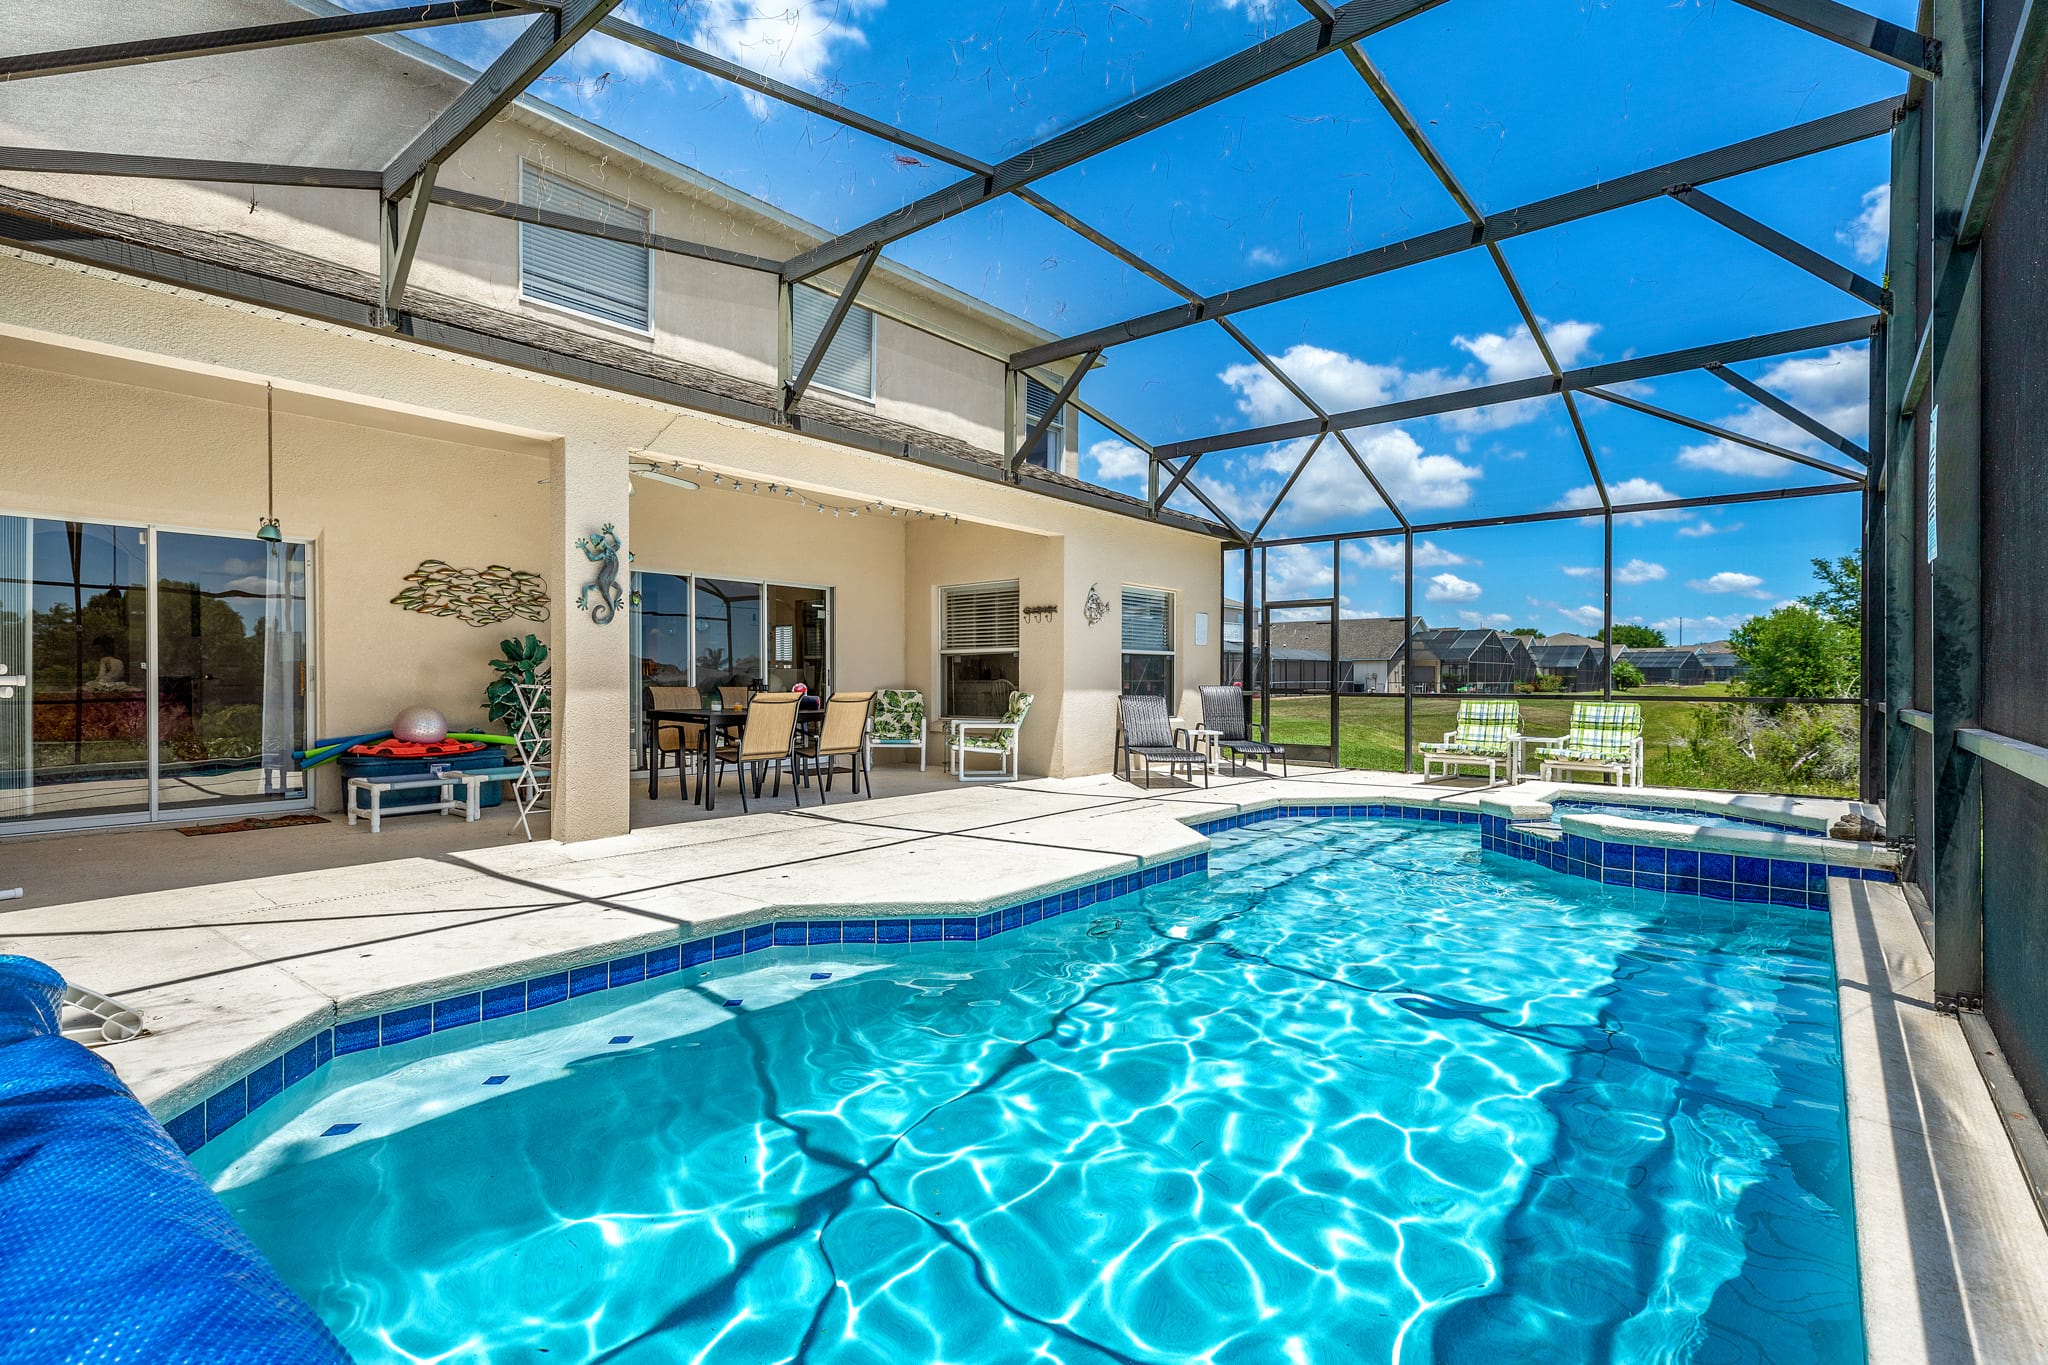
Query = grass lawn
x=1372 y=724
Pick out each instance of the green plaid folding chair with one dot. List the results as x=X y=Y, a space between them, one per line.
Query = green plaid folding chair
x=1489 y=735
x=1606 y=737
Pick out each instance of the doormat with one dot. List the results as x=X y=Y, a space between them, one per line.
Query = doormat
x=254 y=822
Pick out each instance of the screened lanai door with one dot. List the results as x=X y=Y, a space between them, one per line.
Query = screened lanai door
x=1299 y=675
x=148 y=673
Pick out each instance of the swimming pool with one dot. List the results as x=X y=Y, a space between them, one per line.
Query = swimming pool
x=1364 y=1094
x=1678 y=815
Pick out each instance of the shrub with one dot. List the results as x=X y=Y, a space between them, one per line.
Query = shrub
x=1627 y=675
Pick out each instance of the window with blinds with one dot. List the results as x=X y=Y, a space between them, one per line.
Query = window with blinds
x=849 y=363
x=1046 y=451
x=1148 y=643
x=978 y=631
x=592 y=275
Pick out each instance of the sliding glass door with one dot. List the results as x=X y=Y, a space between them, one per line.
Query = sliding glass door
x=728 y=632
x=159 y=672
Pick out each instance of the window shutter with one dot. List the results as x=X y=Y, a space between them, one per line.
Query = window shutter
x=1038 y=402
x=1148 y=620
x=593 y=275
x=849 y=363
x=983 y=617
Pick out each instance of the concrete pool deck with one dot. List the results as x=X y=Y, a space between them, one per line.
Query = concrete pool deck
x=225 y=973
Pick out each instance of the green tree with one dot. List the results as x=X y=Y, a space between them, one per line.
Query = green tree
x=1638 y=637
x=1840 y=595
x=1529 y=631
x=1626 y=675
x=1797 y=651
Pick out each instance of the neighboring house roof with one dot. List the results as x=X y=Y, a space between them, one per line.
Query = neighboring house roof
x=1565 y=656
x=1659 y=658
x=1718 y=658
x=1453 y=645
x=1569 y=639
x=1369 y=638
x=722 y=393
x=1300 y=656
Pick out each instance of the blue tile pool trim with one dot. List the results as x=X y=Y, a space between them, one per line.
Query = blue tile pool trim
x=227 y=1106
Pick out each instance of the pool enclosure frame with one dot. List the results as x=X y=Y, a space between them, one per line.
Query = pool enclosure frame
x=1967 y=119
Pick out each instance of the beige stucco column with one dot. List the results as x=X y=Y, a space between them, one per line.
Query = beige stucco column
x=592 y=796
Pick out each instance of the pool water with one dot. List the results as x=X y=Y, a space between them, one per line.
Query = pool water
x=1674 y=815
x=1365 y=1095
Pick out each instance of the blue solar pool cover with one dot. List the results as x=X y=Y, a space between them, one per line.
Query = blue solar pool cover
x=111 y=1247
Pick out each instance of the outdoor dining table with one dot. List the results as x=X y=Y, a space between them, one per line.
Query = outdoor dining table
x=712 y=723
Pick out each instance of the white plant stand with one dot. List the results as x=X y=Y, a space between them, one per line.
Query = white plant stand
x=531 y=737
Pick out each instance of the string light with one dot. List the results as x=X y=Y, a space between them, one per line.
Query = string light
x=876 y=508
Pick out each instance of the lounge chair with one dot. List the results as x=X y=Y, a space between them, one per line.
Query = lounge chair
x=768 y=743
x=1606 y=737
x=839 y=735
x=671 y=736
x=1489 y=735
x=897 y=722
x=1223 y=711
x=998 y=737
x=1146 y=733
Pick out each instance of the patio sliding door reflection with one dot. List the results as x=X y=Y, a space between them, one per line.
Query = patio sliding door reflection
x=799 y=640
x=728 y=634
x=231 y=670
x=661 y=638
x=74 y=736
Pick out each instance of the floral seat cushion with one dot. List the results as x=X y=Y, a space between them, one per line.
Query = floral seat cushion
x=1000 y=741
x=898 y=717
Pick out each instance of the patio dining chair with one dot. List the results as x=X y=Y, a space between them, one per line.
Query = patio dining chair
x=767 y=743
x=1145 y=732
x=1605 y=737
x=998 y=737
x=897 y=722
x=674 y=737
x=1224 y=713
x=734 y=698
x=842 y=734
x=1489 y=735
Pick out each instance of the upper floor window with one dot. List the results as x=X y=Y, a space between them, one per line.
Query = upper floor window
x=595 y=276
x=1047 y=450
x=849 y=363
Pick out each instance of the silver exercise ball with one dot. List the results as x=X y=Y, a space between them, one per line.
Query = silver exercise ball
x=420 y=725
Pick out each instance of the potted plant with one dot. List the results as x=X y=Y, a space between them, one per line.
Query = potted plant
x=524 y=661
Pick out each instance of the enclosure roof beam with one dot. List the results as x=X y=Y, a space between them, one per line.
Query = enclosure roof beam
x=1823 y=134
x=1812 y=425
x=841 y=306
x=1285 y=488
x=1622 y=400
x=1776 y=242
x=1060 y=398
x=1890 y=43
x=1517 y=390
x=2017 y=89
x=253 y=38
x=1278 y=55
x=63 y=162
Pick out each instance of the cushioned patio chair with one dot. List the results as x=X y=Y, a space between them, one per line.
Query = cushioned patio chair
x=1145 y=732
x=998 y=737
x=767 y=744
x=841 y=734
x=1224 y=711
x=1489 y=735
x=897 y=722
x=685 y=742
x=1605 y=737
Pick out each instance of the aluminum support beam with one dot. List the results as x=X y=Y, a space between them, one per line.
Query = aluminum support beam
x=1955 y=600
x=1286 y=488
x=841 y=306
x=253 y=38
x=1860 y=32
x=1778 y=244
x=1805 y=421
x=1278 y=55
x=1516 y=390
x=62 y=162
x=2018 y=87
x=1771 y=149
x=1901 y=563
x=1060 y=398
x=1622 y=400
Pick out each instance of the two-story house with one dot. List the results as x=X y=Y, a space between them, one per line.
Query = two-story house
x=250 y=496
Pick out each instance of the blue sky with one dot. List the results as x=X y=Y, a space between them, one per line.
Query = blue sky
x=1522 y=98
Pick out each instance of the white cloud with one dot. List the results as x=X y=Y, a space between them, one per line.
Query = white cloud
x=1589 y=619
x=1710 y=528
x=1510 y=355
x=796 y=43
x=1697 y=628
x=1331 y=485
x=1631 y=490
x=1448 y=587
x=1867 y=234
x=1578 y=570
x=1263 y=256
x=1638 y=571
x=1113 y=459
x=1834 y=388
x=1728 y=580
x=1495 y=620
x=1386 y=553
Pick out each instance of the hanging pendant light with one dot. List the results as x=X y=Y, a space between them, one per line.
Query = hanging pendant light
x=267 y=528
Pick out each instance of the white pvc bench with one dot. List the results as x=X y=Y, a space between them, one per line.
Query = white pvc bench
x=472 y=784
